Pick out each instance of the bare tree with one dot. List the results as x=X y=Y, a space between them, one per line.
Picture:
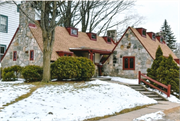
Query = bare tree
x=51 y=13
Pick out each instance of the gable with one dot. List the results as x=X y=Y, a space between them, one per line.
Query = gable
x=151 y=46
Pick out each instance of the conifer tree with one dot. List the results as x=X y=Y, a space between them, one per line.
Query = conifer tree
x=168 y=35
x=151 y=72
x=168 y=73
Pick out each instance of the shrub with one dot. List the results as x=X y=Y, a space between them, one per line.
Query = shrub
x=17 y=70
x=168 y=73
x=86 y=67
x=65 y=68
x=32 y=73
x=8 y=74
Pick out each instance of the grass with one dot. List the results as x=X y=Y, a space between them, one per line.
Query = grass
x=117 y=113
x=32 y=89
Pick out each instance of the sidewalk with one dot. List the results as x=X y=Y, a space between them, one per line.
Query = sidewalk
x=165 y=106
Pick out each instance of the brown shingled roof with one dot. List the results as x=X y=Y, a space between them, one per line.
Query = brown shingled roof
x=151 y=46
x=63 y=41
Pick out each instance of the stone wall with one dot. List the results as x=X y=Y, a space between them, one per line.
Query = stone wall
x=129 y=46
x=23 y=42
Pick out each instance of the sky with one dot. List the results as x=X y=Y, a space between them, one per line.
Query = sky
x=156 y=11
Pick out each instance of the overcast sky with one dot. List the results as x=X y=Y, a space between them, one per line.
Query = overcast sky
x=156 y=11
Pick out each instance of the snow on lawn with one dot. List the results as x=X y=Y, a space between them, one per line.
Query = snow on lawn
x=9 y=92
x=124 y=80
x=151 y=117
x=74 y=102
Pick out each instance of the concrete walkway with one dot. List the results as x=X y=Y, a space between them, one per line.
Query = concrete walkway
x=165 y=106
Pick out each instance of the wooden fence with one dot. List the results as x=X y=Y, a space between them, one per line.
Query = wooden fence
x=168 y=92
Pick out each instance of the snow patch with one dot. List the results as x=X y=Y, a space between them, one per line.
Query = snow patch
x=74 y=102
x=151 y=117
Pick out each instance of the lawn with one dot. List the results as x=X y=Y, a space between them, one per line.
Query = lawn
x=66 y=101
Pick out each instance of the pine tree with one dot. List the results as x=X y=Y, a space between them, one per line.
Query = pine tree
x=168 y=35
x=152 y=72
x=168 y=73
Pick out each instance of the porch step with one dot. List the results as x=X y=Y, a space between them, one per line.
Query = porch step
x=148 y=93
x=101 y=78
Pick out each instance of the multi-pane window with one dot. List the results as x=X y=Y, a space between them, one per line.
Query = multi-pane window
x=18 y=7
x=73 y=32
x=128 y=63
x=14 y=55
x=31 y=54
x=3 y=23
x=109 y=40
x=153 y=36
x=93 y=36
x=144 y=32
x=2 y=50
x=161 y=39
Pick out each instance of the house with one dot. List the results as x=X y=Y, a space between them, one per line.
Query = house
x=26 y=46
x=135 y=51
x=9 y=21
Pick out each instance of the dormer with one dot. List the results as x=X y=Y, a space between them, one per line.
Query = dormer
x=141 y=31
x=160 y=38
x=152 y=35
x=107 y=39
x=92 y=36
x=72 y=31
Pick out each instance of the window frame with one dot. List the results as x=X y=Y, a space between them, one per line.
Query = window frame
x=14 y=55
x=18 y=7
x=31 y=59
x=6 y=31
x=128 y=63
x=72 y=33
x=144 y=34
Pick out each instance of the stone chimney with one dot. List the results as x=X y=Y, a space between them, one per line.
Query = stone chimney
x=112 y=34
x=30 y=12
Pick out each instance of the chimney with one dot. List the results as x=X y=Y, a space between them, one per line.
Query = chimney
x=23 y=19
x=112 y=34
x=142 y=31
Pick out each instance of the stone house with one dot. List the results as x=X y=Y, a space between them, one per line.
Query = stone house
x=26 y=46
x=135 y=51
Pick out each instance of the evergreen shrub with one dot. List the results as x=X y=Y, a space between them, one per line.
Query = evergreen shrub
x=78 y=68
x=86 y=67
x=32 y=73
x=164 y=70
x=65 y=68
x=11 y=73
x=8 y=74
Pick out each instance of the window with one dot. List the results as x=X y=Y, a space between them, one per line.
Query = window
x=18 y=7
x=114 y=60
x=14 y=55
x=144 y=32
x=109 y=40
x=128 y=63
x=3 y=24
x=73 y=32
x=31 y=54
x=153 y=36
x=2 y=50
x=93 y=36
x=161 y=39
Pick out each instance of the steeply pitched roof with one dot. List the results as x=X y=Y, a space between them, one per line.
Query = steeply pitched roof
x=63 y=41
x=151 y=46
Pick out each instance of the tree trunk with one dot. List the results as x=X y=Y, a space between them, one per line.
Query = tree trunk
x=46 y=60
